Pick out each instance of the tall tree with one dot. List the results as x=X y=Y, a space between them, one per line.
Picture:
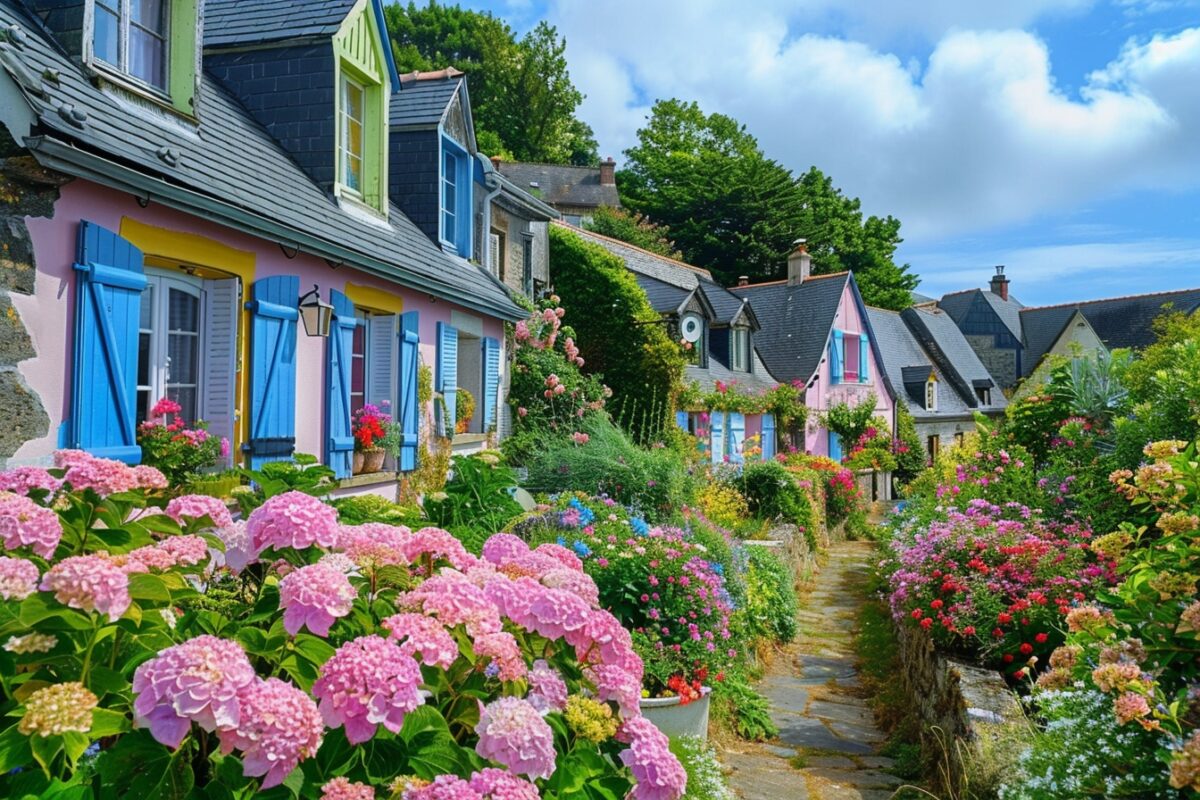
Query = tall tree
x=522 y=96
x=735 y=211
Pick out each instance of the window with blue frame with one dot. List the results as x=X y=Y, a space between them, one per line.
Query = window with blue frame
x=456 y=198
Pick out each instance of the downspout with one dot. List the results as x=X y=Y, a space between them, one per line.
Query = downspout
x=491 y=182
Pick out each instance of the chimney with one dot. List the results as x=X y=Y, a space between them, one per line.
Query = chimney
x=999 y=284
x=608 y=172
x=743 y=280
x=496 y=160
x=799 y=265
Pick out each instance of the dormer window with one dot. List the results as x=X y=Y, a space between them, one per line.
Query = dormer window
x=362 y=96
x=456 y=198
x=149 y=46
x=931 y=397
x=739 y=350
x=353 y=135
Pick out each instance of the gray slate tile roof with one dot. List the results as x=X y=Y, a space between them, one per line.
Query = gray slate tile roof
x=664 y=297
x=423 y=103
x=230 y=23
x=1009 y=311
x=232 y=160
x=562 y=185
x=726 y=305
x=1041 y=328
x=949 y=349
x=796 y=321
x=1118 y=321
x=757 y=381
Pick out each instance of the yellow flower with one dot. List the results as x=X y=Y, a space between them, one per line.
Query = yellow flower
x=59 y=708
x=590 y=719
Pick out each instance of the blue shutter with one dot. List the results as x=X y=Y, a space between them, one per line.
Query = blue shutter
x=835 y=447
x=273 y=369
x=836 y=350
x=339 y=442
x=768 y=436
x=864 y=358
x=491 y=381
x=108 y=299
x=718 y=436
x=737 y=436
x=681 y=419
x=447 y=374
x=410 y=412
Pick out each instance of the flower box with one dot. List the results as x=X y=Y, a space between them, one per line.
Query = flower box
x=675 y=718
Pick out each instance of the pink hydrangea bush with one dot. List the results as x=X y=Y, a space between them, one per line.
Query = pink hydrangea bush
x=314 y=596
x=369 y=682
x=293 y=520
x=23 y=523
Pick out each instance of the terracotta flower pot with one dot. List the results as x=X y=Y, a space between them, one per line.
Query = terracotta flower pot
x=373 y=460
x=357 y=465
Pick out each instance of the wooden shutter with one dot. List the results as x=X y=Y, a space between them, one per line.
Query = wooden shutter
x=108 y=297
x=491 y=381
x=273 y=369
x=681 y=419
x=718 y=436
x=864 y=358
x=339 y=441
x=768 y=436
x=447 y=376
x=409 y=415
x=835 y=357
x=737 y=436
x=380 y=349
x=835 y=447
x=218 y=382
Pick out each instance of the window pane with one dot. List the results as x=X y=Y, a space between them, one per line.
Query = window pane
x=183 y=311
x=147 y=309
x=143 y=404
x=186 y=397
x=149 y=15
x=181 y=349
x=105 y=43
x=147 y=57
x=143 y=368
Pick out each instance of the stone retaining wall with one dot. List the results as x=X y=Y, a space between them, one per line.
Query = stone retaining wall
x=965 y=712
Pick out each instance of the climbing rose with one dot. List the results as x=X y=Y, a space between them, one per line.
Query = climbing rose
x=512 y=732
x=196 y=681
x=344 y=789
x=658 y=774
x=367 y=682
x=56 y=709
x=292 y=519
x=89 y=583
x=18 y=578
x=195 y=506
x=501 y=785
x=23 y=522
x=279 y=727
x=314 y=596
x=423 y=638
x=547 y=690
x=23 y=479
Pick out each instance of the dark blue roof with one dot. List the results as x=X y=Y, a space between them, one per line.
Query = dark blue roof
x=243 y=22
x=796 y=321
x=422 y=103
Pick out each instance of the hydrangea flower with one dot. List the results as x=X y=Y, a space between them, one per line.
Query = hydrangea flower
x=512 y=732
x=437 y=543
x=279 y=727
x=375 y=544
x=579 y=583
x=196 y=681
x=314 y=596
x=368 y=682
x=507 y=662
x=344 y=789
x=239 y=546
x=454 y=600
x=21 y=480
x=555 y=612
x=89 y=583
x=185 y=551
x=615 y=684
x=293 y=519
x=25 y=523
x=423 y=638
x=18 y=578
x=498 y=784
x=657 y=772
x=53 y=710
x=31 y=643
x=547 y=690
x=195 y=506
x=443 y=787
x=504 y=547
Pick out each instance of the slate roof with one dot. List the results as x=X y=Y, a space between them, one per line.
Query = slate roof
x=759 y=380
x=665 y=298
x=231 y=23
x=727 y=305
x=229 y=170
x=957 y=304
x=796 y=321
x=1042 y=327
x=948 y=348
x=1118 y=321
x=562 y=185
x=422 y=102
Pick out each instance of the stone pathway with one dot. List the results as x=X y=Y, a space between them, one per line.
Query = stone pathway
x=828 y=740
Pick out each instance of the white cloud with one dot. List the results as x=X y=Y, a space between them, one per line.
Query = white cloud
x=977 y=136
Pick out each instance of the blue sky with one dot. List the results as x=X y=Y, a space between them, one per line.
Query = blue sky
x=1058 y=137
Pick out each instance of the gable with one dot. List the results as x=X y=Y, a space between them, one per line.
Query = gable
x=455 y=124
x=359 y=43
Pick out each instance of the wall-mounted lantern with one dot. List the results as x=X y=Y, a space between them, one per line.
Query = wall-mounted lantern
x=316 y=314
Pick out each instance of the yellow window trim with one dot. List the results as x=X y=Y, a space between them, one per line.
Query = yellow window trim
x=375 y=299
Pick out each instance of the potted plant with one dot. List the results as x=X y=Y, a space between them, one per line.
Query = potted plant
x=376 y=436
x=180 y=451
x=465 y=411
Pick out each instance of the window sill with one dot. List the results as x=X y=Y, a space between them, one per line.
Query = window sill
x=468 y=438
x=132 y=88
x=370 y=479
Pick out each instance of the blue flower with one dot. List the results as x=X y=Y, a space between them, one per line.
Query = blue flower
x=639 y=526
x=581 y=549
x=562 y=541
x=92 y=749
x=717 y=567
x=492 y=670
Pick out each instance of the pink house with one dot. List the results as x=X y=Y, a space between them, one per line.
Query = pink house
x=816 y=332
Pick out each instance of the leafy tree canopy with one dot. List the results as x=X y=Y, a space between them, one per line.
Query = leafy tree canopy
x=731 y=209
x=632 y=227
x=522 y=96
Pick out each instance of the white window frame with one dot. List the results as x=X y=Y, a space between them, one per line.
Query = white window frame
x=160 y=282
x=931 y=395
x=346 y=155
x=124 y=23
x=449 y=212
x=739 y=349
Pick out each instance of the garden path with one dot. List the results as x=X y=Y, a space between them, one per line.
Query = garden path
x=828 y=740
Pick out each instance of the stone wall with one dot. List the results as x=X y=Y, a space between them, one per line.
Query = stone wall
x=965 y=712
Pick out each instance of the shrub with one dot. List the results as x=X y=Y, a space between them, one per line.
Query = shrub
x=772 y=493
x=771 y=605
x=850 y=422
x=477 y=501
x=174 y=448
x=722 y=504
x=119 y=677
x=910 y=455
x=373 y=508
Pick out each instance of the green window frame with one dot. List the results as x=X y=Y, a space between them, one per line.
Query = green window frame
x=353 y=136
x=148 y=46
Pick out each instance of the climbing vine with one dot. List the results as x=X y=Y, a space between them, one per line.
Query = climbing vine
x=785 y=401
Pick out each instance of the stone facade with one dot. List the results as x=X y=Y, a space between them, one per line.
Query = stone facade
x=1000 y=362
x=964 y=711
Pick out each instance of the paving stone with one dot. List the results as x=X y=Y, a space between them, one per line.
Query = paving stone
x=858 y=778
x=853 y=713
x=876 y=762
x=811 y=733
x=830 y=762
x=782 y=752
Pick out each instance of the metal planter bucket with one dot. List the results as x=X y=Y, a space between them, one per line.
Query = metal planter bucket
x=676 y=719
